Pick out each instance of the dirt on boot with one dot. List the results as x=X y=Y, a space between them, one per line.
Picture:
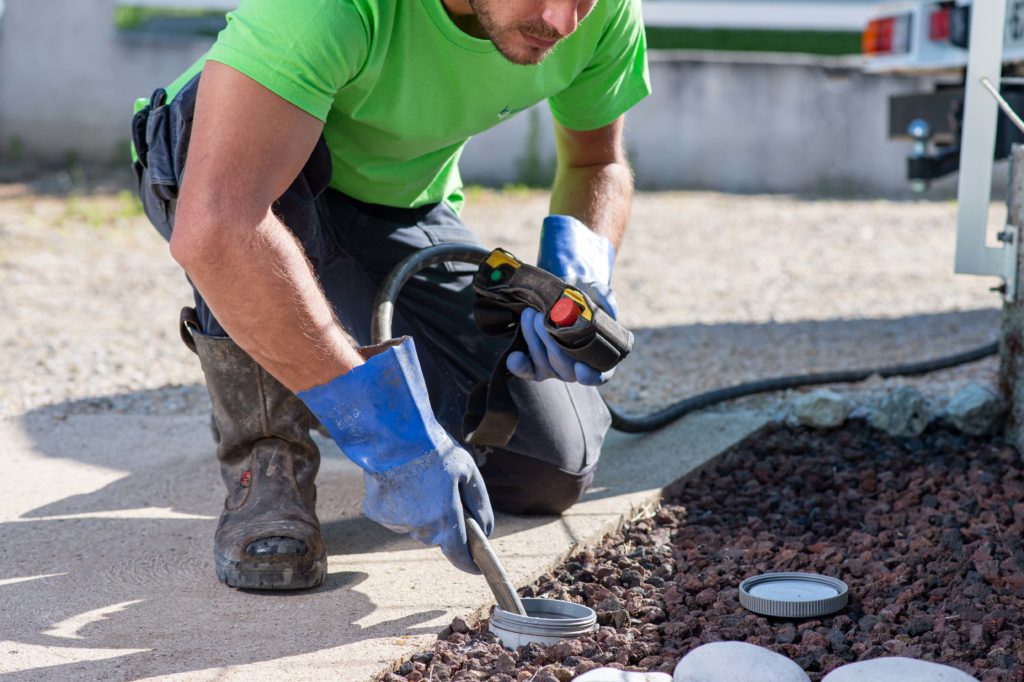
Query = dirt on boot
x=268 y=536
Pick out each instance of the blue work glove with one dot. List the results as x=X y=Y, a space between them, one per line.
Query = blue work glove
x=582 y=258
x=418 y=479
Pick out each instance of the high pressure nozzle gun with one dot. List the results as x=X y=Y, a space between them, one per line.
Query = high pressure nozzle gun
x=505 y=286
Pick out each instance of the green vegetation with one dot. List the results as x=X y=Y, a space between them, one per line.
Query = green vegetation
x=130 y=206
x=209 y=22
x=517 y=189
x=831 y=43
x=99 y=211
x=165 y=20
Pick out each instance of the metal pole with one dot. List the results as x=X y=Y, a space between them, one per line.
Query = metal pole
x=1011 y=345
x=978 y=141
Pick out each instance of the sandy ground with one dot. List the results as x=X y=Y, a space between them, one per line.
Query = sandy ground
x=719 y=289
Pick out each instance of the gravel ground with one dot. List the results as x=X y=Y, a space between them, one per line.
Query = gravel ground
x=718 y=288
x=925 y=531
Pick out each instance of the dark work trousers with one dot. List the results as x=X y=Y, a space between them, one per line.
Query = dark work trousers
x=352 y=246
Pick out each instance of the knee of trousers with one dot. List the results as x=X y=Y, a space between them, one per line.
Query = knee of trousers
x=551 y=459
x=518 y=484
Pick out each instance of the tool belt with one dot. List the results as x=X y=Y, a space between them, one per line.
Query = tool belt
x=504 y=287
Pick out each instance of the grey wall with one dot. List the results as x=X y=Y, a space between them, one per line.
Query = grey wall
x=818 y=15
x=739 y=122
x=732 y=122
x=68 y=80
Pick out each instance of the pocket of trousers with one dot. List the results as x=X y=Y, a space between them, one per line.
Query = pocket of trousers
x=447 y=228
x=298 y=207
x=160 y=176
x=162 y=150
x=152 y=174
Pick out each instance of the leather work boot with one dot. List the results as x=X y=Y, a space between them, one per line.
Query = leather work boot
x=268 y=536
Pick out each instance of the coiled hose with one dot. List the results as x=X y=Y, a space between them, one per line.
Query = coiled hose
x=384 y=307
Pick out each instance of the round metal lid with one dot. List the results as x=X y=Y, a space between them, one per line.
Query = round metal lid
x=793 y=595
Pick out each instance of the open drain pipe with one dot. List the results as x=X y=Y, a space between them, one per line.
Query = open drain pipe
x=384 y=308
x=519 y=621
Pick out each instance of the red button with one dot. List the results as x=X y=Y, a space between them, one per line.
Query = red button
x=565 y=312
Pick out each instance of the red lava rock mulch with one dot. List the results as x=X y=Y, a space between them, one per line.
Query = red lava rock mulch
x=926 y=531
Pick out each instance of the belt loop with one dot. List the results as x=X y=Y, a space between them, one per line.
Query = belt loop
x=159 y=98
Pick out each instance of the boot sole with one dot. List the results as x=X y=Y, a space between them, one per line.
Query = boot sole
x=266 y=575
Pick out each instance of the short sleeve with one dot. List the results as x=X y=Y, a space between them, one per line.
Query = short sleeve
x=616 y=77
x=302 y=50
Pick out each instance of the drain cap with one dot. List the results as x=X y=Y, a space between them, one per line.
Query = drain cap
x=793 y=595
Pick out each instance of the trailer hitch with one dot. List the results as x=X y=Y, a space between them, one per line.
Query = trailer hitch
x=922 y=166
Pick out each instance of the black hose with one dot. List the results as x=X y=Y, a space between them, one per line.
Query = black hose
x=383 y=312
x=640 y=424
x=384 y=302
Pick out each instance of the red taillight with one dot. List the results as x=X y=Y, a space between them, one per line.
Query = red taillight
x=938 y=23
x=877 y=36
x=887 y=35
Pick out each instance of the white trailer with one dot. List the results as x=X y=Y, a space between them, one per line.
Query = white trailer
x=934 y=38
x=967 y=123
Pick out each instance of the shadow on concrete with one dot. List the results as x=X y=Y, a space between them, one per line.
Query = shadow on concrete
x=127 y=565
x=109 y=547
x=112 y=556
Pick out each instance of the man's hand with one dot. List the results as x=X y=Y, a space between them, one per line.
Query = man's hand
x=418 y=480
x=426 y=498
x=584 y=260
x=590 y=201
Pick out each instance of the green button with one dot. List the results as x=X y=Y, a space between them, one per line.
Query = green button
x=496 y=275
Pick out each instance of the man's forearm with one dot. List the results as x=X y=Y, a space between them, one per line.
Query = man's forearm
x=262 y=290
x=600 y=196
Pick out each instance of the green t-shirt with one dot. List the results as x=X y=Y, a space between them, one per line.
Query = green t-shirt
x=401 y=89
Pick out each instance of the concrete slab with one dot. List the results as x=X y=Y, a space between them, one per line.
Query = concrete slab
x=106 y=570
